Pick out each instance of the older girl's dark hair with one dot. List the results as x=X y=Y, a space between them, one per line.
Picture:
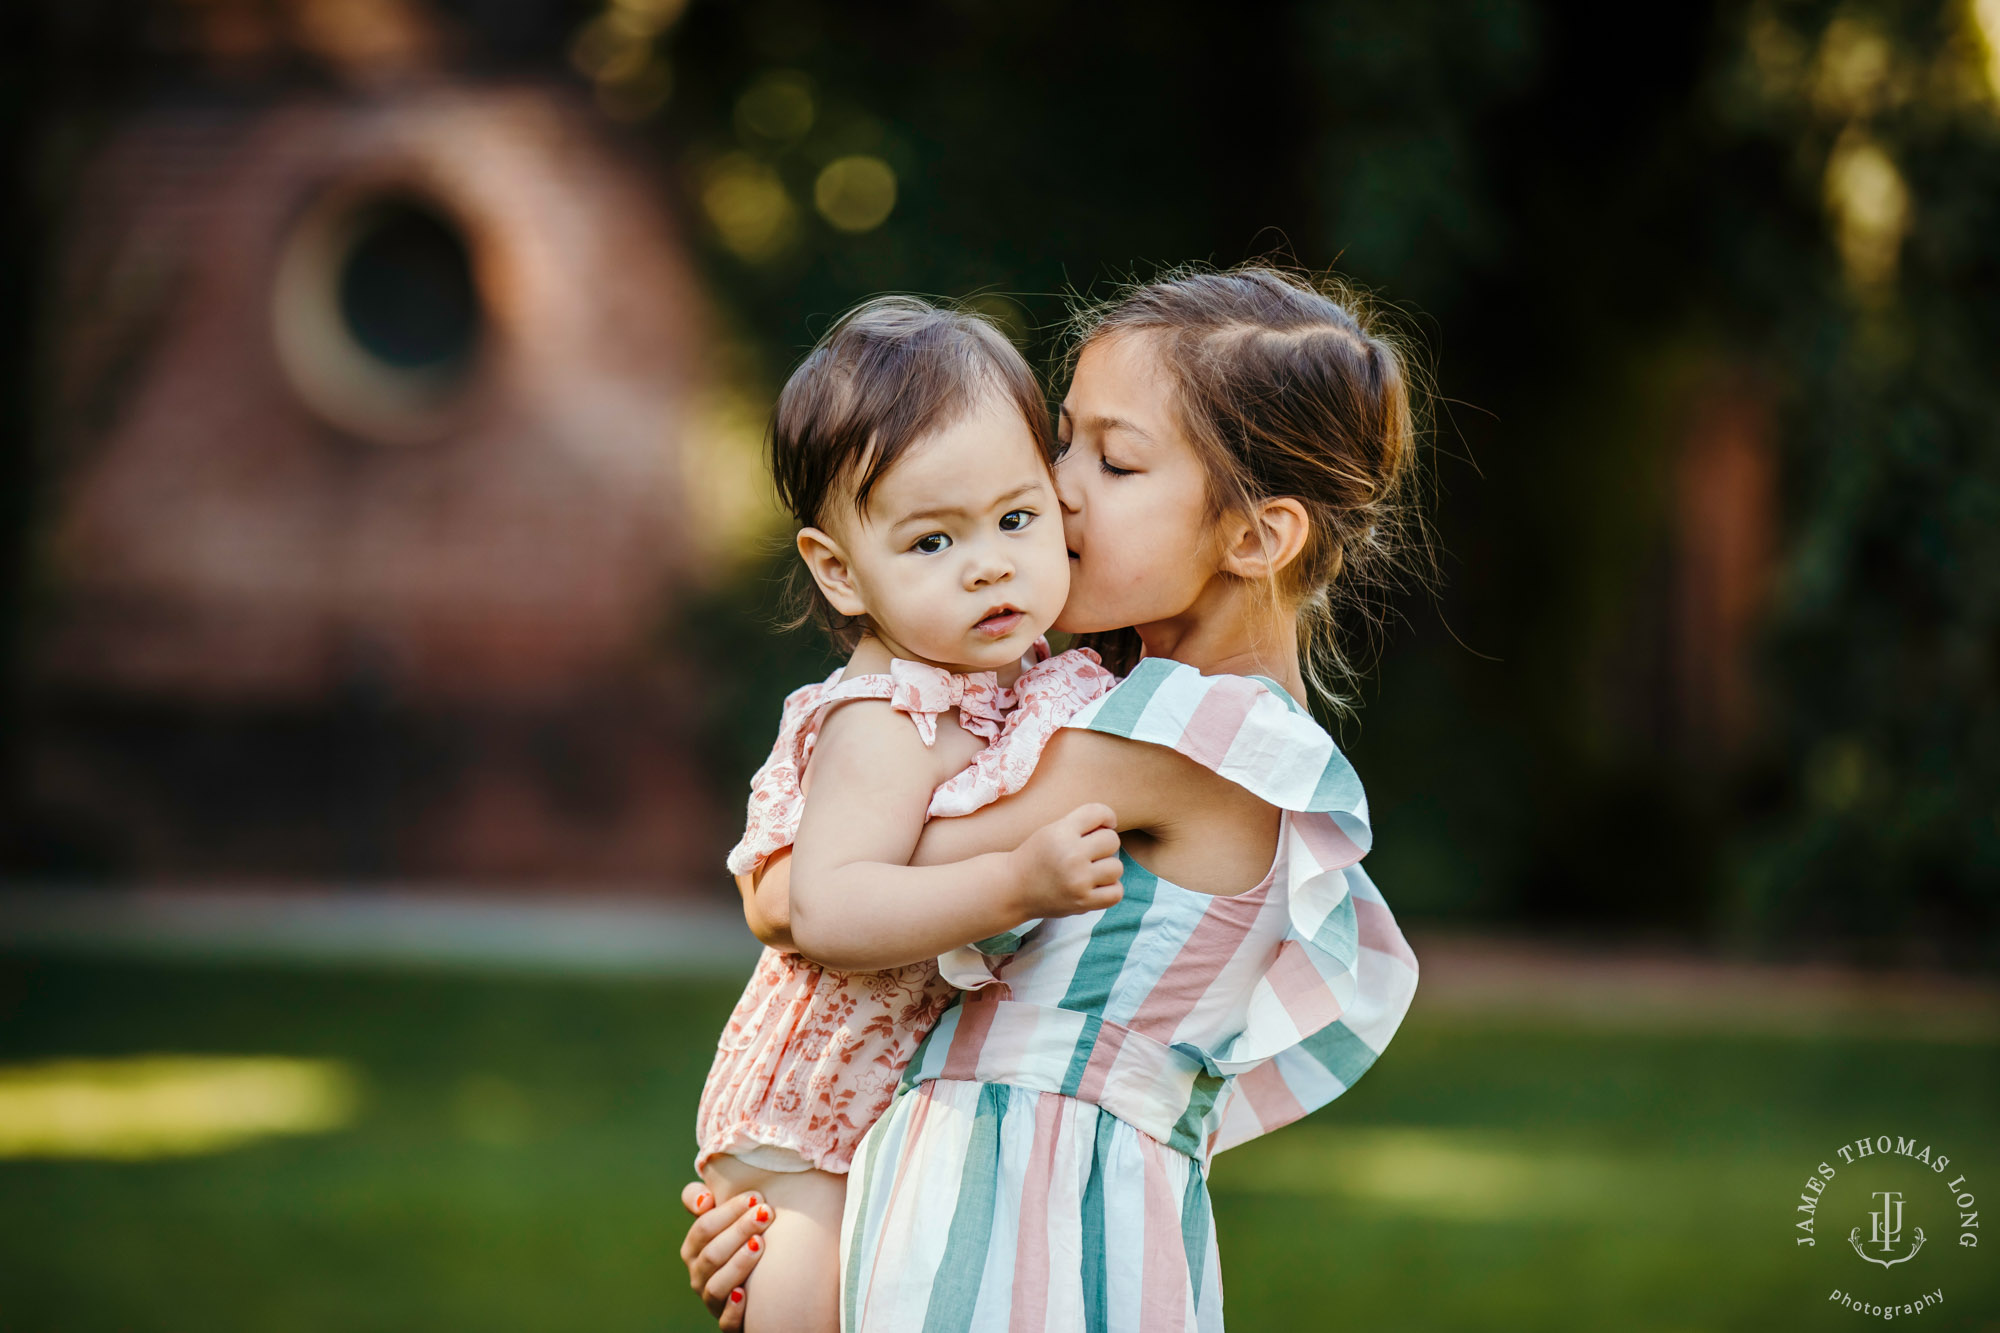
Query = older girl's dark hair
x=890 y=372
x=1290 y=386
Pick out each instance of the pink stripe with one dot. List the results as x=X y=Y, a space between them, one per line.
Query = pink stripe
x=1301 y=989
x=975 y=1016
x=1269 y=1097
x=1110 y=1040
x=1029 y=1308
x=1216 y=720
x=1324 y=839
x=1163 y=1277
x=1208 y=950
x=1007 y=1044
x=918 y=1114
x=1379 y=932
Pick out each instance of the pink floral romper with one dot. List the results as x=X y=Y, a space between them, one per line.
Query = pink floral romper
x=811 y=1056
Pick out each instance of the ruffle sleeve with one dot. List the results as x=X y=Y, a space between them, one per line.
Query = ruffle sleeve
x=776 y=798
x=1341 y=979
x=1046 y=696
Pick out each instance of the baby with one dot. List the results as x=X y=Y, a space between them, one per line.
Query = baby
x=913 y=448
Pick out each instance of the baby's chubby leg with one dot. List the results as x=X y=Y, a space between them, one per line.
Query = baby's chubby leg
x=796 y=1285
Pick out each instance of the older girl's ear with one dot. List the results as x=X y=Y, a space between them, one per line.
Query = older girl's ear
x=829 y=567
x=1261 y=543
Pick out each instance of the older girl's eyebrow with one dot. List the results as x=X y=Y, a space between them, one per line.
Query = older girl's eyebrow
x=1102 y=424
x=956 y=511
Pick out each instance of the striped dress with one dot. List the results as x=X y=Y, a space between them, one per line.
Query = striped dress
x=1044 y=1165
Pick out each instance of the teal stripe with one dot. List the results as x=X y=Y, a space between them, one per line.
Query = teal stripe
x=1096 y=1262
x=1079 y=1056
x=1003 y=943
x=1110 y=941
x=1191 y=1128
x=1338 y=788
x=1118 y=712
x=1340 y=933
x=955 y=1289
x=1194 y=1229
x=941 y=1033
x=1343 y=1054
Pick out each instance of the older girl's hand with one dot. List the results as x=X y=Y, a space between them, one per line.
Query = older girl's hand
x=722 y=1247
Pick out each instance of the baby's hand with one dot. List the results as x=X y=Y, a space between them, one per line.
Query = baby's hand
x=1071 y=866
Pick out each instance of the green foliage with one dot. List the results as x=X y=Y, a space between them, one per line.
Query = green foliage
x=1884 y=642
x=1586 y=232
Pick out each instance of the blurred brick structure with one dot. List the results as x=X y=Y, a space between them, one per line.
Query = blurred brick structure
x=371 y=409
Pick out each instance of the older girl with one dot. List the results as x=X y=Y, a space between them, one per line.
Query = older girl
x=1235 y=446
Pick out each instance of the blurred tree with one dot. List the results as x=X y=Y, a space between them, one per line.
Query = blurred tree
x=1884 y=823
x=1618 y=253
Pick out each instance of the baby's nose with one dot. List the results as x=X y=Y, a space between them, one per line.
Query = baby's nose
x=988 y=567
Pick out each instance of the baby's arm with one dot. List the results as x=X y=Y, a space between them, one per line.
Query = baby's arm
x=856 y=904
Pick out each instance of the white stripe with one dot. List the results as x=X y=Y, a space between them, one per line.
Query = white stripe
x=1124 y=1229
x=1165 y=717
x=1169 y=920
x=1309 y=1080
x=1278 y=751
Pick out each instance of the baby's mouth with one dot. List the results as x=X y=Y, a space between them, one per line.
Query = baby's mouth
x=999 y=622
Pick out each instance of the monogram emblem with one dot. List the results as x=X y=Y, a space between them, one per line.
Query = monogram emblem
x=1885 y=1230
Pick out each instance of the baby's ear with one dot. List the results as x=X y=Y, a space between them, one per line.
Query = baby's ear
x=827 y=563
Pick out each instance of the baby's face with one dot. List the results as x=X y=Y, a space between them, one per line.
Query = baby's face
x=959 y=560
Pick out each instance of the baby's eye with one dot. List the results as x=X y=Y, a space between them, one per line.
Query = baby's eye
x=930 y=543
x=1016 y=519
x=1110 y=471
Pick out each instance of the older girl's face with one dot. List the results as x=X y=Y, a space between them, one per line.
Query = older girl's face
x=1134 y=493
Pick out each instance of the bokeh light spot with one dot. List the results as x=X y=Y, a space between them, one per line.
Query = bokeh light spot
x=1870 y=205
x=778 y=106
x=855 y=193
x=749 y=207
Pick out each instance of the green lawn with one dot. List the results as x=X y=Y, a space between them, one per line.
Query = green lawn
x=518 y=1146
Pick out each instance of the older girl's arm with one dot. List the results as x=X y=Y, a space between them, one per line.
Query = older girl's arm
x=1180 y=819
x=767 y=904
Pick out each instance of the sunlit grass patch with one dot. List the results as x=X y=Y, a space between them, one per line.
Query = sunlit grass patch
x=167 y=1105
x=1461 y=1175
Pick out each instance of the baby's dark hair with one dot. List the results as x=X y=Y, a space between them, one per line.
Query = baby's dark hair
x=1290 y=386
x=888 y=373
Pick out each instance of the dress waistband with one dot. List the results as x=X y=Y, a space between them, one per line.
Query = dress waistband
x=1158 y=1090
